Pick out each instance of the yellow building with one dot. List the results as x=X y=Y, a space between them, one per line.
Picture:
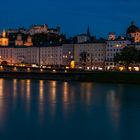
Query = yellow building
x=19 y=41
x=28 y=42
x=4 y=41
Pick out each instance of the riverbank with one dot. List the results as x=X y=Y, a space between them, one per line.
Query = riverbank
x=94 y=76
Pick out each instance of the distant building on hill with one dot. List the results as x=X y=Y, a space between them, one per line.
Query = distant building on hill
x=38 y=29
x=133 y=32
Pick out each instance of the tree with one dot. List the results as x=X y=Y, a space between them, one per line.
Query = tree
x=47 y=39
x=4 y=63
x=128 y=55
x=84 y=57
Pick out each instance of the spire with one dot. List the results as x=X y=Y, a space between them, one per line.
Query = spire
x=88 y=31
x=3 y=33
x=132 y=22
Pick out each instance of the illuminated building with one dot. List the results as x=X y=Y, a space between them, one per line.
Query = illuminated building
x=19 y=41
x=37 y=29
x=4 y=41
x=112 y=48
x=28 y=42
x=68 y=53
x=93 y=58
x=51 y=55
x=133 y=32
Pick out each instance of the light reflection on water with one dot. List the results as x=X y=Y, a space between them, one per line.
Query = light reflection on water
x=52 y=95
x=85 y=108
x=114 y=107
x=28 y=95
x=2 y=112
x=41 y=101
x=15 y=87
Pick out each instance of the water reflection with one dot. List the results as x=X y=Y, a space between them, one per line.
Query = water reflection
x=66 y=98
x=15 y=88
x=41 y=101
x=2 y=107
x=113 y=102
x=53 y=100
x=41 y=91
x=22 y=87
x=65 y=93
x=69 y=107
x=52 y=91
x=28 y=95
x=28 y=90
x=14 y=92
x=86 y=92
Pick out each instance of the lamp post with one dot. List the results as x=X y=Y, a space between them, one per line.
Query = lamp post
x=91 y=59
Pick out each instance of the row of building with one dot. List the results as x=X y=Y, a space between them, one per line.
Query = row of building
x=88 y=56
x=84 y=54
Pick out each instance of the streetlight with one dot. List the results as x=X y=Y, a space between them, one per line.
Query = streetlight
x=91 y=59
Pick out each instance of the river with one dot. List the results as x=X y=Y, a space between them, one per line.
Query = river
x=55 y=110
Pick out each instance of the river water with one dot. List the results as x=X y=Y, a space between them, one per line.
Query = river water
x=55 y=110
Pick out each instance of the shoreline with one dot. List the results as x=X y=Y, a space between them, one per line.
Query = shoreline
x=93 y=76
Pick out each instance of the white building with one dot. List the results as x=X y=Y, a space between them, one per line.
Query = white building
x=89 y=56
x=26 y=55
x=113 y=47
x=83 y=38
x=50 y=55
x=32 y=55
x=6 y=54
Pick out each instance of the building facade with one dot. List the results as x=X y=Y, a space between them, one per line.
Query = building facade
x=50 y=55
x=113 y=47
x=32 y=55
x=4 y=41
x=68 y=54
x=89 y=56
x=133 y=32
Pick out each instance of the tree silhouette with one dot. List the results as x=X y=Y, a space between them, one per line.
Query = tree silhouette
x=84 y=58
x=129 y=55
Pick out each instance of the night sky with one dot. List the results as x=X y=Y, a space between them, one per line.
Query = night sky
x=73 y=16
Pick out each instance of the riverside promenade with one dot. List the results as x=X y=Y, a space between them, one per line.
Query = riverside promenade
x=70 y=75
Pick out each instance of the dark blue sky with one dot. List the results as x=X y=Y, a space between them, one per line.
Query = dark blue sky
x=73 y=16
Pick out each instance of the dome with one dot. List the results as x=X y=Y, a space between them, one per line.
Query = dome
x=132 y=28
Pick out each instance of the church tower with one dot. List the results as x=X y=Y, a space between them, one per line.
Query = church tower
x=88 y=32
x=4 y=41
x=4 y=34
